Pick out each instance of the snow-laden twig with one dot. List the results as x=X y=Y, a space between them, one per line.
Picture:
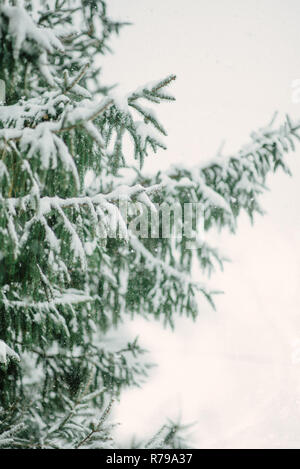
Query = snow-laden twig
x=6 y=352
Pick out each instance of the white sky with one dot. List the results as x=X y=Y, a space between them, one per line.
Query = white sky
x=231 y=371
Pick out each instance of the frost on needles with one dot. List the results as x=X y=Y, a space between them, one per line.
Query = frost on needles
x=63 y=286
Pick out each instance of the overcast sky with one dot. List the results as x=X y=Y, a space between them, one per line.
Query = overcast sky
x=232 y=370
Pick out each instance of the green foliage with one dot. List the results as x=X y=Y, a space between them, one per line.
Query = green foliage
x=64 y=286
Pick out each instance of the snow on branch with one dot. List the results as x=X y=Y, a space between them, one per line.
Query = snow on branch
x=7 y=353
x=226 y=184
x=123 y=192
x=7 y=438
x=36 y=124
x=43 y=141
x=21 y=28
x=69 y=297
x=169 y=271
x=33 y=110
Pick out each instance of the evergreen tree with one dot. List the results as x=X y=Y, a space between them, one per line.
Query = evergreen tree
x=66 y=280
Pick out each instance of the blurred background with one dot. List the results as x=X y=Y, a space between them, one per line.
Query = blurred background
x=234 y=372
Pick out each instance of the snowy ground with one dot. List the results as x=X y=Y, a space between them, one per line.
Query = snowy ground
x=235 y=370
